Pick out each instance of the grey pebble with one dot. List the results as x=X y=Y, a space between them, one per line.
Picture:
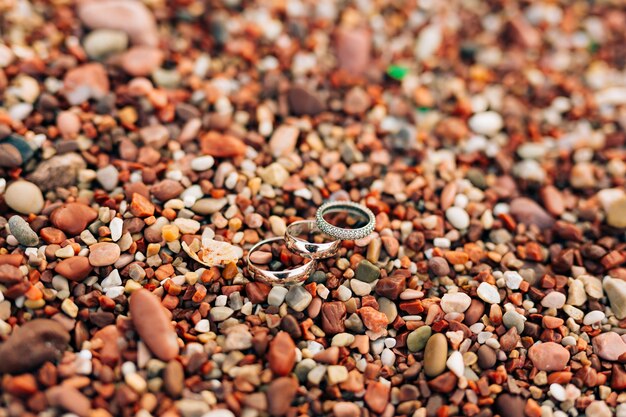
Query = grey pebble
x=22 y=231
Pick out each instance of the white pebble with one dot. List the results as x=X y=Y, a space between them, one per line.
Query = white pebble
x=558 y=392
x=455 y=302
x=388 y=358
x=458 y=217
x=512 y=279
x=486 y=123
x=202 y=163
x=203 y=326
x=116 y=228
x=455 y=363
x=593 y=317
x=488 y=293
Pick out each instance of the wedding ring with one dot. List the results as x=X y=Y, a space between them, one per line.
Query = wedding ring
x=354 y=229
x=306 y=248
x=286 y=277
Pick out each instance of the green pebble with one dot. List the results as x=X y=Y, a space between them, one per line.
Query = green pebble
x=416 y=341
x=397 y=72
x=318 y=277
x=367 y=271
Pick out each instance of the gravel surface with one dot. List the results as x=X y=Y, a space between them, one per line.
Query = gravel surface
x=146 y=146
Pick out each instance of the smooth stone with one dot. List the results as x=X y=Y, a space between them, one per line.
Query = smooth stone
x=277 y=295
x=108 y=177
x=67 y=397
x=554 y=299
x=486 y=357
x=455 y=302
x=58 y=171
x=458 y=218
x=24 y=197
x=32 y=344
x=435 y=355
x=367 y=271
x=174 y=379
x=549 y=356
x=298 y=298
x=209 y=205
x=616 y=213
x=88 y=81
x=218 y=314
x=101 y=43
x=75 y=268
x=10 y=156
x=281 y=355
x=130 y=17
x=283 y=140
x=616 y=292
x=416 y=341
x=73 y=218
x=527 y=211
x=353 y=47
x=69 y=124
x=304 y=102
x=609 y=346
x=510 y=405
x=486 y=123
x=280 y=394
x=153 y=324
x=104 y=254
x=22 y=231
x=141 y=61
x=488 y=293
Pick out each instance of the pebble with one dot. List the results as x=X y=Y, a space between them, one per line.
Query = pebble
x=554 y=299
x=275 y=174
x=439 y=266
x=416 y=341
x=514 y=319
x=75 y=268
x=153 y=325
x=283 y=141
x=488 y=293
x=598 y=409
x=609 y=346
x=22 y=231
x=140 y=61
x=45 y=339
x=616 y=213
x=510 y=405
x=455 y=302
x=101 y=43
x=513 y=279
x=435 y=355
x=367 y=271
x=70 y=399
x=282 y=354
x=336 y=374
x=616 y=292
x=85 y=82
x=298 y=298
x=456 y=364
x=593 y=317
x=10 y=156
x=103 y=254
x=219 y=314
x=486 y=123
x=548 y=356
x=107 y=177
x=353 y=47
x=280 y=394
x=69 y=124
x=202 y=163
x=486 y=357
x=24 y=197
x=58 y=171
x=222 y=146
x=73 y=218
x=528 y=212
x=132 y=18
x=303 y=101
x=346 y=409
x=458 y=218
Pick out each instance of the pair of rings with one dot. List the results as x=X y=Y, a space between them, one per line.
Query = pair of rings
x=351 y=230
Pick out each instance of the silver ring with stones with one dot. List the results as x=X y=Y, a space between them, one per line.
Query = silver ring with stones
x=306 y=248
x=350 y=208
x=286 y=277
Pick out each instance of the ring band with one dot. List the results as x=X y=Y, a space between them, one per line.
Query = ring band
x=286 y=277
x=306 y=248
x=351 y=208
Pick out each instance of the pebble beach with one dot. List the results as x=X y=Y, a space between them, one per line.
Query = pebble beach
x=147 y=146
